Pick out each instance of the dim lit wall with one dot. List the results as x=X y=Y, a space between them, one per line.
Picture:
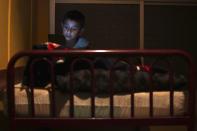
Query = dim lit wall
x=3 y=33
x=22 y=23
x=40 y=21
x=15 y=24
x=20 y=27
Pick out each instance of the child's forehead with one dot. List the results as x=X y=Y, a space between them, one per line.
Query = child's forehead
x=71 y=22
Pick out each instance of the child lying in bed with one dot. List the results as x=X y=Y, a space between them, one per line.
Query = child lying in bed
x=72 y=29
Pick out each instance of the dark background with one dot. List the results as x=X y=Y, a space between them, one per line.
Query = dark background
x=107 y=26
x=111 y=26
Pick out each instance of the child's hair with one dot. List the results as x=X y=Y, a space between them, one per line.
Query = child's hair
x=76 y=16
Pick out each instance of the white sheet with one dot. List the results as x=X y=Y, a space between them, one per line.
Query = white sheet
x=83 y=108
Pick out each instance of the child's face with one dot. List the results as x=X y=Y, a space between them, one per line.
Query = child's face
x=71 y=30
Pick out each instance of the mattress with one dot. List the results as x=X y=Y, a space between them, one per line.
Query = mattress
x=82 y=104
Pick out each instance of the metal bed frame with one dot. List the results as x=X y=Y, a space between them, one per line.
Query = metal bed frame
x=72 y=121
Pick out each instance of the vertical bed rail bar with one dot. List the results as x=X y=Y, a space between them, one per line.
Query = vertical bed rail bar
x=132 y=86
x=10 y=90
x=171 y=82
x=52 y=91
x=31 y=90
x=93 y=85
x=71 y=110
x=151 y=86
x=111 y=91
x=111 y=88
x=93 y=89
x=132 y=103
x=151 y=96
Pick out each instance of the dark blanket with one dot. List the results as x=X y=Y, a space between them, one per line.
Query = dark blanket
x=122 y=82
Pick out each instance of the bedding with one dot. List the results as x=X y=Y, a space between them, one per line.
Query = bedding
x=83 y=108
x=141 y=78
x=122 y=81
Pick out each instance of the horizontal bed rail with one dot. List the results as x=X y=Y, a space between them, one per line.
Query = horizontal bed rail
x=187 y=119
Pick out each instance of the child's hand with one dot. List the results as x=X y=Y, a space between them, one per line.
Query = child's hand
x=51 y=45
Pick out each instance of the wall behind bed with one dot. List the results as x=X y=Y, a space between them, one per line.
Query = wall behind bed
x=15 y=24
x=22 y=23
x=171 y=26
x=117 y=26
x=167 y=26
x=3 y=33
x=108 y=25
